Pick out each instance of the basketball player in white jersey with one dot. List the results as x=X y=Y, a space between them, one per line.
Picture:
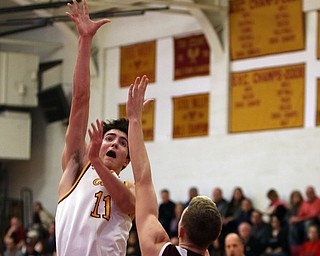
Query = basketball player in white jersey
x=200 y=223
x=92 y=217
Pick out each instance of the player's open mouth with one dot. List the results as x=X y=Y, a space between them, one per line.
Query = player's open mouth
x=111 y=153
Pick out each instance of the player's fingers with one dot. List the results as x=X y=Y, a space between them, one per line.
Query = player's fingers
x=90 y=134
x=93 y=127
x=85 y=7
x=130 y=92
x=147 y=103
x=102 y=22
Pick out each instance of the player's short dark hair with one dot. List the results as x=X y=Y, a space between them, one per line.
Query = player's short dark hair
x=121 y=124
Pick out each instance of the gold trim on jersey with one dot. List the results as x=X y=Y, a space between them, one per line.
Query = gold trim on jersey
x=96 y=182
x=76 y=183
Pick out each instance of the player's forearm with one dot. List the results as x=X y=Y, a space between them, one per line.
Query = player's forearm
x=81 y=76
x=78 y=120
x=146 y=201
x=138 y=153
x=119 y=193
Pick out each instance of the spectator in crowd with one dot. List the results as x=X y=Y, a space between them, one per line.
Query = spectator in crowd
x=11 y=248
x=16 y=231
x=46 y=246
x=222 y=205
x=295 y=202
x=234 y=245
x=295 y=237
x=260 y=230
x=251 y=245
x=52 y=239
x=216 y=249
x=246 y=211
x=233 y=211
x=311 y=247
x=276 y=206
x=30 y=245
x=41 y=221
x=41 y=216
x=173 y=232
x=277 y=244
x=221 y=202
x=193 y=192
x=308 y=212
x=133 y=248
x=166 y=210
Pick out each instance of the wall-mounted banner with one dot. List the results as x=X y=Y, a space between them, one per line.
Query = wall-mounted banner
x=137 y=60
x=318 y=51
x=318 y=103
x=265 y=27
x=191 y=57
x=147 y=119
x=264 y=99
x=190 y=116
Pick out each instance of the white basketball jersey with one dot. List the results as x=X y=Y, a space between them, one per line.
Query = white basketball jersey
x=88 y=223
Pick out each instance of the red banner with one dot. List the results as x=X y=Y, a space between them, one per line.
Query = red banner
x=191 y=57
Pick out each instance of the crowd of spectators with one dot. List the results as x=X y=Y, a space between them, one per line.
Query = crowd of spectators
x=285 y=228
x=38 y=239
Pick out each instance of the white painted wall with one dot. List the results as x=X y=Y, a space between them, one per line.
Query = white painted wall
x=256 y=161
x=282 y=159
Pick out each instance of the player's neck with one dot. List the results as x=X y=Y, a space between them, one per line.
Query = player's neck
x=187 y=245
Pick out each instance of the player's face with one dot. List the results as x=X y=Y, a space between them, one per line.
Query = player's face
x=114 y=150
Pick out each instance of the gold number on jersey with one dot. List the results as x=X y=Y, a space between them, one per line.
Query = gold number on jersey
x=107 y=206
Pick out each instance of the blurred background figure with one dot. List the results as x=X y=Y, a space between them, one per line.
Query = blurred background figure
x=251 y=245
x=173 y=231
x=133 y=248
x=166 y=210
x=230 y=224
x=220 y=201
x=260 y=230
x=29 y=248
x=246 y=211
x=234 y=245
x=41 y=216
x=11 y=248
x=295 y=237
x=193 y=192
x=16 y=231
x=312 y=246
x=308 y=213
x=215 y=249
x=276 y=207
x=277 y=244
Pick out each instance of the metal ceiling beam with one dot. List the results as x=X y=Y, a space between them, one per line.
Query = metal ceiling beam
x=100 y=14
x=31 y=7
x=19 y=30
x=184 y=4
x=37 y=44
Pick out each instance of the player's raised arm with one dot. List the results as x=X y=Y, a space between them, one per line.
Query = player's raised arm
x=152 y=236
x=74 y=153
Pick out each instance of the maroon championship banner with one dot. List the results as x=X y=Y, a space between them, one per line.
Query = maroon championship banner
x=191 y=57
